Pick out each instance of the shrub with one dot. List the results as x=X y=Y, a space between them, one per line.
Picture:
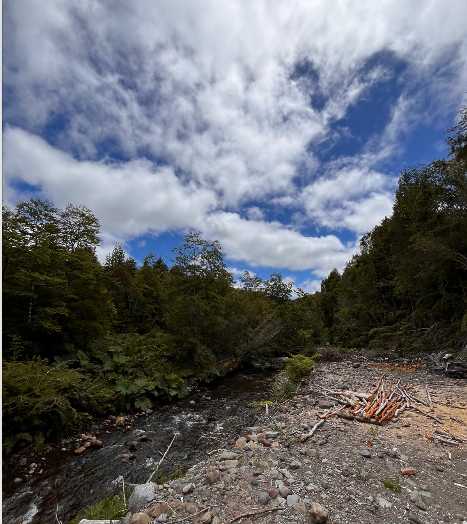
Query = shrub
x=298 y=367
x=109 y=508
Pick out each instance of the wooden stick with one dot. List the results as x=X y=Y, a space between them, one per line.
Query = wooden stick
x=313 y=429
x=427 y=414
x=190 y=516
x=428 y=396
x=254 y=512
x=162 y=459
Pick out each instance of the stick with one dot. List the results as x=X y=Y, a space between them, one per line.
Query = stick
x=254 y=512
x=123 y=491
x=313 y=429
x=427 y=415
x=428 y=396
x=460 y=485
x=162 y=459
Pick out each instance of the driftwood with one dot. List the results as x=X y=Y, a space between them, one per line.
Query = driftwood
x=254 y=512
x=312 y=432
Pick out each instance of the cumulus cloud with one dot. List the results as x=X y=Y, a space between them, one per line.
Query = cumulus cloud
x=195 y=114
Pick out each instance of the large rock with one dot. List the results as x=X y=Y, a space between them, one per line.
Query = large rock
x=142 y=494
x=140 y=518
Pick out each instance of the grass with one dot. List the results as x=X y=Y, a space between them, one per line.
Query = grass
x=392 y=485
x=108 y=508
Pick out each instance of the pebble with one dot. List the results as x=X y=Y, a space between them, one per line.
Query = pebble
x=292 y=500
x=213 y=475
x=273 y=492
x=408 y=472
x=206 y=518
x=228 y=464
x=312 y=487
x=365 y=453
x=325 y=404
x=228 y=455
x=295 y=464
x=284 y=491
x=317 y=514
x=18 y=480
x=274 y=474
x=418 y=500
x=271 y=434
x=140 y=518
x=414 y=518
x=240 y=442
x=383 y=503
x=188 y=488
x=263 y=497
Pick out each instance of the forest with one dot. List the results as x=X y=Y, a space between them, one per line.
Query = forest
x=83 y=339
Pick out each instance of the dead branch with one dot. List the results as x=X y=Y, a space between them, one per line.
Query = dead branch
x=254 y=512
x=313 y=429
x=162 y=459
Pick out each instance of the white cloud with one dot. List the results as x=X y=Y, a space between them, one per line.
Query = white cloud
x=200 y=100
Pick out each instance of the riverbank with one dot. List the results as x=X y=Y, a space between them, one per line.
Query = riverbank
x=346 y=472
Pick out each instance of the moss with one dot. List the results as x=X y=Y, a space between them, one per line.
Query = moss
x=108 y=508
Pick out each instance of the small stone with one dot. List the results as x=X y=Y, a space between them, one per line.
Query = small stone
x=206 y=518
x=295 y=464
x=408 y=472
x=273 y=492
x=356 y=365
x=414 y=518
x=311 y=487
x=96 y=443
x=213 y=475
x=271 y=434
x=79 y=451
x=365 y=453
x=418 y=500
x=274 y=474
x=228 y=455
x=325 y=404
x=240 y=443
x=133 y=445
x=191 y=507
x=292 y=500
x=263 y=497
x=18 y=480
x=284 y=491
x=317 y=514
x=157 y=509
x=216 y=520
x=188 y=488
x=228 y=464
x=192 y=402
x=140 y=518
x=383 y=503
x=162 y=517
x=23 y=461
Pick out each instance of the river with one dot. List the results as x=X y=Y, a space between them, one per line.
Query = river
x=209 y=419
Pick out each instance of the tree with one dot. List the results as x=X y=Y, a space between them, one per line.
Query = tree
x=79 y=228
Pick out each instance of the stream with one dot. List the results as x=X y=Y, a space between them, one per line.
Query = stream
x=209 y=419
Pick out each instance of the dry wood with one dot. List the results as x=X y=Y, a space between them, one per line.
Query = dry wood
x=254 y=512
x=162 y=459
x=428 y=396
x=348 y=416
x=313 y=429
x=191 y=516
x=427 y=414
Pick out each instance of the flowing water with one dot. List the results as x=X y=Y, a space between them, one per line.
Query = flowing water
x=210 y=419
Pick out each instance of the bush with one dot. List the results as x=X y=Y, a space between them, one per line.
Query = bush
x=109 y=508
x=298 y=367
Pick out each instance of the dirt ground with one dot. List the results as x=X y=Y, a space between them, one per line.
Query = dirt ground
x=352 y=469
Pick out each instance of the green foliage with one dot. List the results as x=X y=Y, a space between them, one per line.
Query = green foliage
x=109 y=508
x=299 y=367
x=282 y=387
x=392 y=485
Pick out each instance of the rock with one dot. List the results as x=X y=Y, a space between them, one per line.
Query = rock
x=228 y=464
x=213 y=475
x=317 y=514
x=414 y=518
x=356 y=365
x=383 y=503
x=206 y=518
x=263 y=498
x=162 y=517
x=96 y=443
x=274 y=474
x=18 y=480
x=295 y=464
x=419 y=501
x=142 y=494
x=311 y=487
x=365 y=453
x=273 y=492
x=241 y=442
x=228 y=455
x=140 y=518
x=156 y=510
x=292 y=500
x=23 y=461
x=216 y=520
x=133 y=445
x=191 y=507
x=192 y=402
x=325 y=404
x=271 y=434
x=80 y=450
x=284 y=491
x=188 y=488
x=408 y=472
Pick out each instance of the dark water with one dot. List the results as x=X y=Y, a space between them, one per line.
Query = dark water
x=210 y=419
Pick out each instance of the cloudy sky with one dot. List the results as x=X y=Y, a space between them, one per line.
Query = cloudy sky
x=278 y=128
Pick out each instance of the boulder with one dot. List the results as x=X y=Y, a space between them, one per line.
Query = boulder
x=142 y=494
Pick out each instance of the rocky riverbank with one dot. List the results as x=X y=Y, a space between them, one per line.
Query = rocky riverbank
x=347 y=472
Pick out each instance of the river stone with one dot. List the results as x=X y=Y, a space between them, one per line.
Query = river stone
x=142 y=494
x=188 y=488
x=325 y=404
x=140 y=518
x=365 y=453
x=317 y=514
x=292 y=500
x=383 y=503
x=263 y=498
x=206 y=518
x=213 y=475
x=284 y=491
x=228 y=455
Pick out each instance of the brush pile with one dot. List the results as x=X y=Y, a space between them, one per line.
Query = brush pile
x=384 y=403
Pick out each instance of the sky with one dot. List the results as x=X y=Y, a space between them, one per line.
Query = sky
x=277 y=128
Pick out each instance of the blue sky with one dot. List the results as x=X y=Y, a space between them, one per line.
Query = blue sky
x=277 y=128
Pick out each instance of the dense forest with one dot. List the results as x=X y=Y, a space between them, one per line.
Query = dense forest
x=83 y=339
